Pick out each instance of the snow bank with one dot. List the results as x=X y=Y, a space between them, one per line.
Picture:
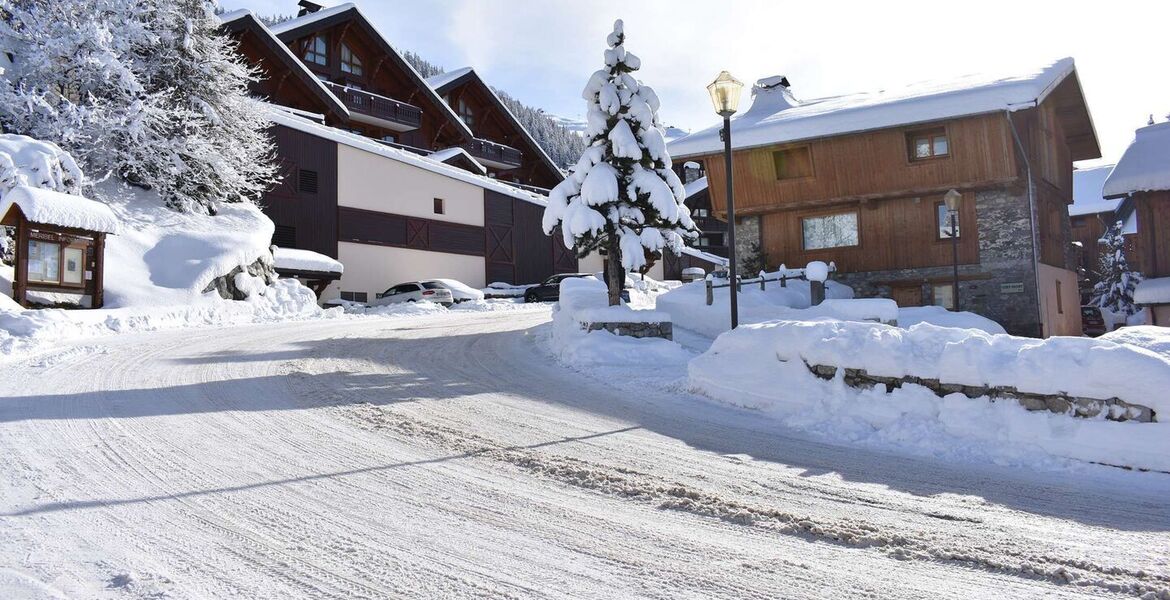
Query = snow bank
x=687 y=304
x=30 y=162
x=56 y=208
x=294 y=259
x=910 y=316
x=1154 y=339
x=762 y=367
x=583 y=299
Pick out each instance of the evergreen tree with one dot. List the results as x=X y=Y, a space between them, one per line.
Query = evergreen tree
x=146 y=90
x=622 y=195
x=1115 y=289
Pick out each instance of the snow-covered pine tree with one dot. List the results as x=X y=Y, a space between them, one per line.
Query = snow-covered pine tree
x=1115 y=289
x=621 y=195
x=147 y=90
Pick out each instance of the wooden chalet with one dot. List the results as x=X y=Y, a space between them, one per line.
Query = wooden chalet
x=502 y=144
x=1142 y=179
x=859 y=180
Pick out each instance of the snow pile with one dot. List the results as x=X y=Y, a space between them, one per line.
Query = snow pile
x=1153 y=291
x=763 y=367
x=1154 y=339
x=63 y=210
x=1145 y=165
x=687 y=304
x=499 y=289
x=910 y=316
x=30 y=162
x=293 y=259
x=585 y=299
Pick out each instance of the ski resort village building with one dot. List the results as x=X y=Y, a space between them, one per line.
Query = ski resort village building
x=382 y=174
x=859 y=180
x=1142 y=180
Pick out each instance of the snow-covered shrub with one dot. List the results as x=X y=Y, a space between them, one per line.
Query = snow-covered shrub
x=1115 y=290
x=622 y=195
x=25 y=161
x=146 y=90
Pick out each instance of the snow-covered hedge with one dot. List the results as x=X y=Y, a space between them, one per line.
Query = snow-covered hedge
x=764 y=366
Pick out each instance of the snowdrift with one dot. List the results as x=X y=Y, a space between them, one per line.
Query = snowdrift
x=764 y=367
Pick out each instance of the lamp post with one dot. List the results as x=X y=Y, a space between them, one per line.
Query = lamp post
x=725 y=92
x=952 y=200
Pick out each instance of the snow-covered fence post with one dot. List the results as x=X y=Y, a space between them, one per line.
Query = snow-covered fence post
x=762 y=278
x=710 y=292
x=816 y=272
x=622 y=195
x=783 y=276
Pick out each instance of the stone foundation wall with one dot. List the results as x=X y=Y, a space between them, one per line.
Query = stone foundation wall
x=225 y=285
x=747 y=235
x=638 y=330
x=1112 y=408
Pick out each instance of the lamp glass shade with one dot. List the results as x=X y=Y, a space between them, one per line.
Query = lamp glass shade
x=951 y=199
x=725 y=91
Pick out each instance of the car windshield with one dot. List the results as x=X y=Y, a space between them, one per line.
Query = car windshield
x=1091 y=313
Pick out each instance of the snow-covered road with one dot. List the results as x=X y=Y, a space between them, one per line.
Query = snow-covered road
x=447 y=456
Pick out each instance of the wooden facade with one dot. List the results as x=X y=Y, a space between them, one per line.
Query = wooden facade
x=303 y=206
x=515 y=247
x=1152 y=242
x=489 y=119
x=79 y=256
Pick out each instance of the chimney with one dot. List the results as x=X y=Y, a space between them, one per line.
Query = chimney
x=773 y=94
x=1151 y=121
x=308 y=7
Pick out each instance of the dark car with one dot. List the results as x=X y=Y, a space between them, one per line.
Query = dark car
x=550 y=289
x=1092 y=323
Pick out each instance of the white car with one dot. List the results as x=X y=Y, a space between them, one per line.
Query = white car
x=415 y=291
x=460 y=291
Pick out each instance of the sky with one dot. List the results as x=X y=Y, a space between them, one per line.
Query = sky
x=543 y=51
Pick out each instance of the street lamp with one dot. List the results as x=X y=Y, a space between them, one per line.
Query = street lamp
x=725 y=92
x=952 y=200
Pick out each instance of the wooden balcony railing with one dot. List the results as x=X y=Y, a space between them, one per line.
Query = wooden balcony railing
x=497 y=153
x=377 y=106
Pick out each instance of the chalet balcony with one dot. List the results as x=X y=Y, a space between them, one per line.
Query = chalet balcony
x=380 y=111
x=491 y=154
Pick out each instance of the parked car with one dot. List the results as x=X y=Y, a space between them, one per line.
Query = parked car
x=415 y=291
x=1092 y=323
x=460 y=291
x=550 y=289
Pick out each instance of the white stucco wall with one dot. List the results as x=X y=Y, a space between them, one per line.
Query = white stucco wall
x=372 y=182
x=372 y=269
x=594 y=263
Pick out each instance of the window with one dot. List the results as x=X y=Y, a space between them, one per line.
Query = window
x=74 y=258
x=944 y=222
x=354 y=296
x=928 y=143
x=307 y=181
x=700 y=212
x=438 y=206
x=315 y=50
x=829 y=231
x=350 y=63
x=1059 y=299
x=464 y=112
x=793 y=163
x=44 y=261
x=944 y=295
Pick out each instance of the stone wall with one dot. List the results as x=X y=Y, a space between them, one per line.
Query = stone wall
x=747 y=238
x=225 y=285
x=638 y=330
x=1006 y=264
x=1113 y=409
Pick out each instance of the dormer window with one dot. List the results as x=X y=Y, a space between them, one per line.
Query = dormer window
x=928 y=143
x=350 y=63
x=464 y=112
x=315 y=51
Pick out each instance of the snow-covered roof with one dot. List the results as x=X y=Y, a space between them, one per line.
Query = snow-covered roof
x=707 y=256
x=1152 y=291
x=295 y=63
x=282 y=117
x=447 y=154
x=438 y=82
x=1087 y=196
x=695 y=186
x=40 y=205
x=294 y=259
x=776 y=116
x=304 y=21
x=443 y=79
x=1145 y=165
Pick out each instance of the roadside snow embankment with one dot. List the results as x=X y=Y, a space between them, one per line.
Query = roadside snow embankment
x=584 y=300
x=765 y=367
